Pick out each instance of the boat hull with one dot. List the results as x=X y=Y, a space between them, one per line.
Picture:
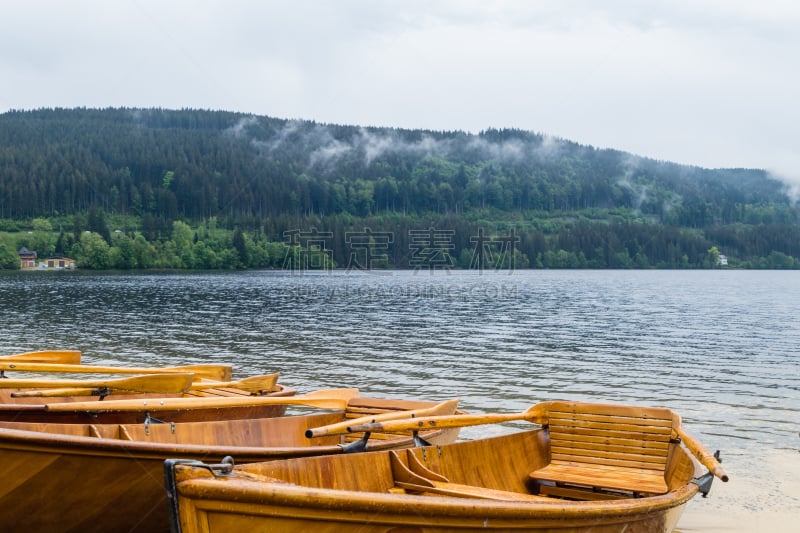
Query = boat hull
x=309 y=495
x=57 y=478
x=288 y=516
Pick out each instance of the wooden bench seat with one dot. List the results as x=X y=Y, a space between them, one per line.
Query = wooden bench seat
x=597 y=449
x=610 y=478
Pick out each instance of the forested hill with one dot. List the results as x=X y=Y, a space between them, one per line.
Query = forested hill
x=198 y=164
x=271 y=175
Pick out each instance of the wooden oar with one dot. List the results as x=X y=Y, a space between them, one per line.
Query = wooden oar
x=323 y=399
x=172 y=382
x=705 y=457
x=154 y=383
x=215 y=372
x=342 y=427
x=59 y=388
x=533 y=414
x=64 y=357
x=252 y=384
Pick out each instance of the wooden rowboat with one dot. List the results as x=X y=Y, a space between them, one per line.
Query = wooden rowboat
x=590 y=468
x=109 y=477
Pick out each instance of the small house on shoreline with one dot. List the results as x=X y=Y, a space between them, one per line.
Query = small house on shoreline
x=58 y=262
x=27 y=258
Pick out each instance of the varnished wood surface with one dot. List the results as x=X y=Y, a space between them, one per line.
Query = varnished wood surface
x=63 y=357
x=323 y=399
x=607 y=447
x=109 y=477
x=218 y=372
x=33 y=409
x=175 y=383
x=361 y=492
x=593 y=446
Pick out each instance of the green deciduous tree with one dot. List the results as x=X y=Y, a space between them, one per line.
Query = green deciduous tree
x=240 y=245
x=712 y=259
x=93 y=252
x=9 y=260
x=42 y=224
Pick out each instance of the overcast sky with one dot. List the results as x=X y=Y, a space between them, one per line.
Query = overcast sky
x=713 y=83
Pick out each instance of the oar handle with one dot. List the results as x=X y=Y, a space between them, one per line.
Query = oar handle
x=705 y=457
x=446 y=421
x=447 y=407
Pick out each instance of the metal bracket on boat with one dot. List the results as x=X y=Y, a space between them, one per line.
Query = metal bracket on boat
x=221 y=469
x=224 y=469
x=102 y=392
x=357 y=446
x=419 y=442
x=424 y=449
x=704 y=483
x=150 y=420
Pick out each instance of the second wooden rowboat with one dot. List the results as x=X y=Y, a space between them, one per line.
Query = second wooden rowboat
x=595 y=468
x=109 y=477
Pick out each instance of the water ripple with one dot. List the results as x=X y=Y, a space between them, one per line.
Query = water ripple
x=719 y=347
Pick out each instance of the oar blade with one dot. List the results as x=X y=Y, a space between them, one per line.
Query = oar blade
x=217 y=372
x=64 y=357
x=155 y=383
x=149 y=383
x=253 y=384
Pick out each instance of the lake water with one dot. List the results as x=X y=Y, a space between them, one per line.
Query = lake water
x=719 y=347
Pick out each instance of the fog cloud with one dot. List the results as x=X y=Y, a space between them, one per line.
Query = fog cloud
x=365 y=146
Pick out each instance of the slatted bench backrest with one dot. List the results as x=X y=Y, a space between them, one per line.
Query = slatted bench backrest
x=611 y=435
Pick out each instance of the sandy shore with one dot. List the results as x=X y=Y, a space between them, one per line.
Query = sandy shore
x=761 y=496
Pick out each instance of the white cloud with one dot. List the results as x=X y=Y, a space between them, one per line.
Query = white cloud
x=707 y=82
